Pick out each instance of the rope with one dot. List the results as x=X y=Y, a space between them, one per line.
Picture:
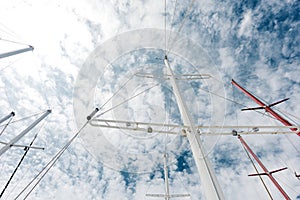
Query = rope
x=13 y=62
x=40 y=80
x=165 y=27
x=123 y=85
x=287 y=115
x=236 y=115
x=24 y=118
x=184 y=187
x=9 y=32
x=11 y=41
x=290 y=187
x=182 y=23
x=127 y=100
x=49 y=165
x=175 y=6
x=5 y=125
x=257 y=172
x=14 y=172
x=292 y=144
x=233 y=101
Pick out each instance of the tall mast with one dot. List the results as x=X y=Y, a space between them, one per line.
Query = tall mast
x=266 y=171
x=266 y=107
x=209 y=181
x=166 y=178
x=18 y=137
x=11 y=53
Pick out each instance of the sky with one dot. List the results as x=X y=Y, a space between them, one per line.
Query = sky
x=87 y=51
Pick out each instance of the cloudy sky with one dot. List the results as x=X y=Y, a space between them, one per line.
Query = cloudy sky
x=105 y=43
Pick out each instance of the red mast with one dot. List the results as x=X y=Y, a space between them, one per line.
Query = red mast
x=266 y=107
x=266 y=172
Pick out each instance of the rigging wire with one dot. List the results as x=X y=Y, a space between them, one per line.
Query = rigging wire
x=13 y=62
x=15 y=42
x=252 y=162
x=181 y=26
x=288 y=113
x=9 y=32
x=276 y=109
x=175 y=6
x=20 y=162
x=5 y=125
x=26 y=172
x=51 y=163
x=115 y=93
x=126 y=100
x=24 y=118
x=256 y=168
x=264 y=137
x=172 y=21
x=40 y=80
x=165 y=27
x=291 y=188
x=285 y=162
x=5 y=31
x=233 y=101
x=184 y=187
x=291 y=142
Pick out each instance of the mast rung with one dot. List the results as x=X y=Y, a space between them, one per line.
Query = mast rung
x=148 y=129
x=169 y=196
x=23 y=146
x=155 y=195
x=96 y=122
x=177 y=129
x=177 y=76
x=268 y=173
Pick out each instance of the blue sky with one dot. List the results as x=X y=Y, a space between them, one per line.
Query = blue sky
x=254 y=42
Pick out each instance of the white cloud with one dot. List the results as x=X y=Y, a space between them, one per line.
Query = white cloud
x=246 y=25
x=64 y=34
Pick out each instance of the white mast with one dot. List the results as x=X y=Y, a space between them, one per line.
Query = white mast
x=18 y=137
x=7 y=117
x=166 y=178
x=12 y=53
x=208 y=179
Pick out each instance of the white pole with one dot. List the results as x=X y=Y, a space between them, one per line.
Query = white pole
x=209 y=182
x=7 y=117
x=4 y=55
x=167 y=197
x=18 y=137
